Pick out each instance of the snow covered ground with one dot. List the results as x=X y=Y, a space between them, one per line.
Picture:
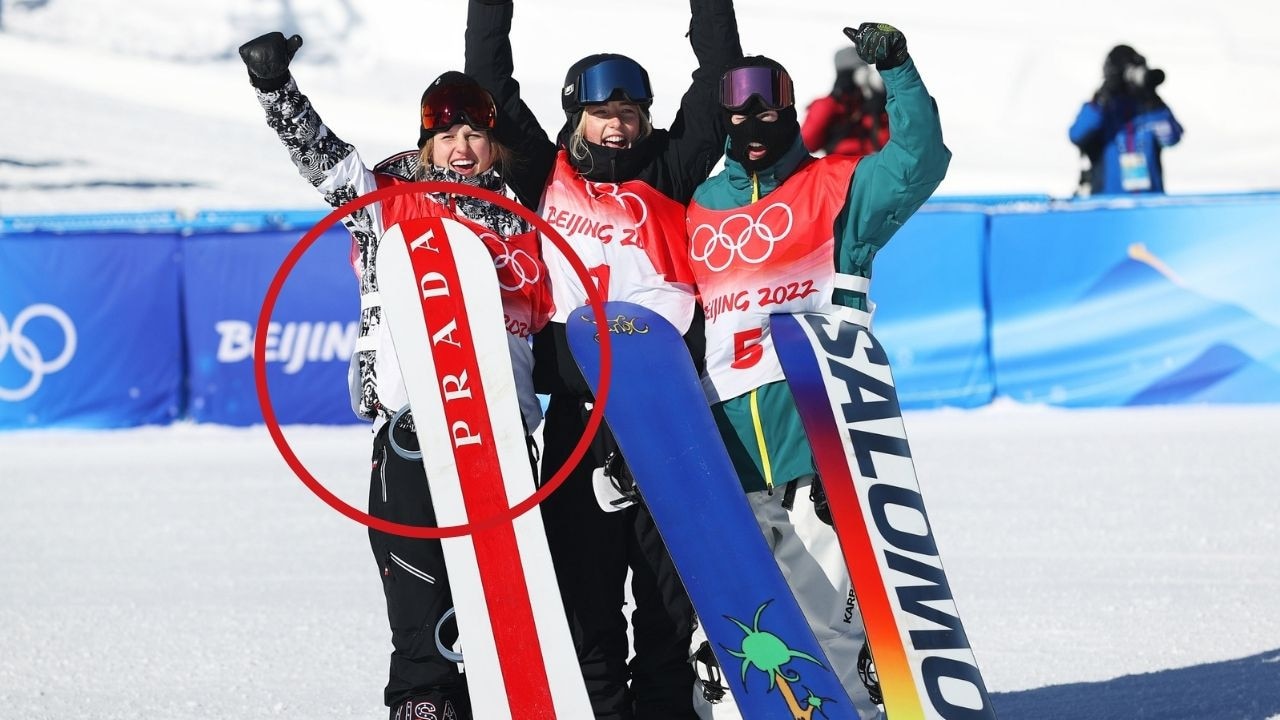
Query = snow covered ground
x=1108 y=564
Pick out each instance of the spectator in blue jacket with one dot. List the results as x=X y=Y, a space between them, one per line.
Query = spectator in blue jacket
x=1123 y=129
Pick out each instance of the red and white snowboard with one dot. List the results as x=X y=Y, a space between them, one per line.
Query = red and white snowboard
x=441 y=301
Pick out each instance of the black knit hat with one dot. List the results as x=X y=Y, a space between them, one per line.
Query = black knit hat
x=759 y=61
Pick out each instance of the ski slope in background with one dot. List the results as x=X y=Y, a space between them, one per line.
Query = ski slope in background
x=1108 y=564
x=145 y=105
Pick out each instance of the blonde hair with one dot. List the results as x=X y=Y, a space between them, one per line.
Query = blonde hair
x=577 y=145
x=500 y=155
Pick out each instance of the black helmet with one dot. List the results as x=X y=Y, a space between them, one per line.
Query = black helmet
x=603 y=77
x=454 y=98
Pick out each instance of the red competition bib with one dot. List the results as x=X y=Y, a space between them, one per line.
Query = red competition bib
x=522 y=276
x=629 y=236
x=774 y=255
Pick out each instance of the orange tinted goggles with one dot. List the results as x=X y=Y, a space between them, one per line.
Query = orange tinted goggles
x=451 y=105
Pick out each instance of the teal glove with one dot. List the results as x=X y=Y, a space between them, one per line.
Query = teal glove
x=879 y=44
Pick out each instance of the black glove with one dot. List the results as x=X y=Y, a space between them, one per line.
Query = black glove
x=879 y=44
x=267 y=58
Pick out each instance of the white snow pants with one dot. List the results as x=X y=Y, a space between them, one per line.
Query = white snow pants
x=809 y=555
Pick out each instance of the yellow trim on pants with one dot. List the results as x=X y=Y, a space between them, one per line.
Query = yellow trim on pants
x=764 y=450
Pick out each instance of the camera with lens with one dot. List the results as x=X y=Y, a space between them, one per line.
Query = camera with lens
x=1139 y=77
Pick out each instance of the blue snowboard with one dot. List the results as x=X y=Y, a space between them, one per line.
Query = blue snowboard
x=659 y=415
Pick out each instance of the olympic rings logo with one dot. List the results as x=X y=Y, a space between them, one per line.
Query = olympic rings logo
x=626 y=200
x=26 y=352
x=516 y=268
x=741 y=236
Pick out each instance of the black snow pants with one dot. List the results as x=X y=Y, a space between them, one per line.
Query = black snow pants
x=413 y=578
x=592 y=551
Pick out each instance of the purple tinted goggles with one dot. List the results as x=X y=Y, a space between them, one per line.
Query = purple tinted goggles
x=772 y=86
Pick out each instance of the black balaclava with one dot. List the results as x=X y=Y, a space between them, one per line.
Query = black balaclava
x=777 y=137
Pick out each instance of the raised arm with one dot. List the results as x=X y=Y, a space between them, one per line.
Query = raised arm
x=890 y=185
x=697 y=135
x=331 y=165
x=489 y=61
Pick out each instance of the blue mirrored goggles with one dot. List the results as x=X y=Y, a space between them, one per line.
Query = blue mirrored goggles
x=772 y=86
x=615 y=79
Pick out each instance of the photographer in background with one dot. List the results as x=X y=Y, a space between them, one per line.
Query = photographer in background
x=851 y=119
x=1123 y=129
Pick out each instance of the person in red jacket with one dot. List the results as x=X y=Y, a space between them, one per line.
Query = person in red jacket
x=851 y=119
x=456 y=123
x=616 y=186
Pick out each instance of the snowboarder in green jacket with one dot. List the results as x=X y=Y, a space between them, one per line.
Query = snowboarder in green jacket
x=778 y=230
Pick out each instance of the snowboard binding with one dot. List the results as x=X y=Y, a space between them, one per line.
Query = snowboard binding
x=867 y=674
x=818 y=495
x=615 y=486
x=708 y=670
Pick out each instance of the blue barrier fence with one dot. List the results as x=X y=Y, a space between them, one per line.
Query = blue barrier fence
x=128 y=319
x=1134 y=305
